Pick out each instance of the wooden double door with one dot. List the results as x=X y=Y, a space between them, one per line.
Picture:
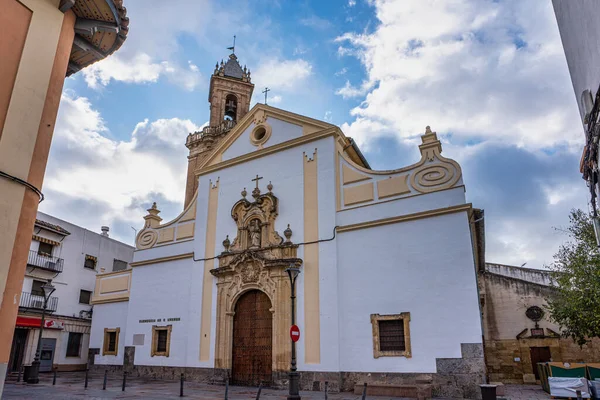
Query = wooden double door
x=252 y=340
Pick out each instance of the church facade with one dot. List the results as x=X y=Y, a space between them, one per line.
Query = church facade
x=387 y=290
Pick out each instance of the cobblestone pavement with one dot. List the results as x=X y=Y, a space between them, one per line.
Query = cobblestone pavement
x=525 y=392
x=71 y=386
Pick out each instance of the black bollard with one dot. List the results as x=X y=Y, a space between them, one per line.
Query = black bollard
x=86 y=379
x=326 y=385
x=181 y=386
x=226 y=388
x=259 y=389
x=19 y=375
x=488 y=392
x=364 y=395
x=578 y=393
x=54 y=378
x=105 y=379
x=124 y=380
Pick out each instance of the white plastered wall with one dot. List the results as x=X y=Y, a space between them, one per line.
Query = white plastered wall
x=109 y=315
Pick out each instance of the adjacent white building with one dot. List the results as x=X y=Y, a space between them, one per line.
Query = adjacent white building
x=387 y=290
x=70 y=256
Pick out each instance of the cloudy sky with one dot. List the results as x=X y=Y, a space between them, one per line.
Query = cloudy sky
x=489 y=76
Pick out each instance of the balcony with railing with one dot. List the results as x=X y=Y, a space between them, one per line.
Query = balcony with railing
x=225 y=126
x=35 y=301
x=43 y=261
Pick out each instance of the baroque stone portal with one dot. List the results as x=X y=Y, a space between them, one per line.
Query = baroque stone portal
x=255 y=260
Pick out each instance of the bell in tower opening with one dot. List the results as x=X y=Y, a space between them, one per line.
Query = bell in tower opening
x=230 y=108
x=229 y=96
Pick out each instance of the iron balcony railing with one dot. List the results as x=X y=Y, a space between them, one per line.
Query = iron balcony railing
x=43 y=261
x=34 y=301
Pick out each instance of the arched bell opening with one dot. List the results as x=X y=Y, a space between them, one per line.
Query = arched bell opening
x=231 y=106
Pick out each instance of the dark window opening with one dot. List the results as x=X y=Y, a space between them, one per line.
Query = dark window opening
x=36 y=288
x=74 y=344
x=90 y=262
x=119 y=265
x=45 y=249
x=230 y=108
x=111 y=341
x=85 y=296
x=161 y=341
x=391 y=335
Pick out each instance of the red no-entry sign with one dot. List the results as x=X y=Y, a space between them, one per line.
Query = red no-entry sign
x=295 y=333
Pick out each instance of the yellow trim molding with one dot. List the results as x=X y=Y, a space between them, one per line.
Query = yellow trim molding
x=358 y=194
x=106 y=342
x=409 y=217
x=312 y=313
x=256 y=141
x=153 y=349
x=377 y=352
x=395 y=186
x=161 y=259
x=268 y=150
x=352 y=176
x=207 y=281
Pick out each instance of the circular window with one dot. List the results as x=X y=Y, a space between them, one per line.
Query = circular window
x=534 y=313
x=260 y=134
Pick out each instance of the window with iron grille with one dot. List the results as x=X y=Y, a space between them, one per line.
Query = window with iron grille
x=45 y=248
x=161 y=340
x=74 y=344
x=391 y=335
x=119 y=265
x=36 y=288
x=110 y=346
x=85 y=296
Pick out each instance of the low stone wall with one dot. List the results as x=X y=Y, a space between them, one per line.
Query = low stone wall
x=455 y=377
x=501 y=355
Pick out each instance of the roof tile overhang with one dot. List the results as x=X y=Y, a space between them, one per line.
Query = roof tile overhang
x=100 y=30
x=51 y=227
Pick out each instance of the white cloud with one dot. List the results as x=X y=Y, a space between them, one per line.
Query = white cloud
x=281 y=74
x=476 y=69
x=351 y=3
x=86 y=165
x=140 y=69
x=341 y=72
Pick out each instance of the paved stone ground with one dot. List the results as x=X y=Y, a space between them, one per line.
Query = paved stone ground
x=71 y=386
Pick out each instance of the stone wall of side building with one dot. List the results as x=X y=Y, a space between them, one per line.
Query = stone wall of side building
x=506 y=292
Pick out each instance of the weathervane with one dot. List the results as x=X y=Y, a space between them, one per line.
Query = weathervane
x=265 y=92
x=232 y=48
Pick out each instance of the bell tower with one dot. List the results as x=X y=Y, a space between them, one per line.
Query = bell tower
x=229 y=96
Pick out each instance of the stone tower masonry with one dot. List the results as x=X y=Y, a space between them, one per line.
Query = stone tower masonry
x=229 y=97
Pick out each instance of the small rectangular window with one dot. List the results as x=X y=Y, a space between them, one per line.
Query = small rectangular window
x=36 y=288
x=90 y=262
x=74 y=344
x=161 y=340
x=45 y=249
x=391 y=335
x=85 y=296
x=111 y=342
x=119 y=265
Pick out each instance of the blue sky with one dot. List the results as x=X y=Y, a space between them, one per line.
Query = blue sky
x=489 y=78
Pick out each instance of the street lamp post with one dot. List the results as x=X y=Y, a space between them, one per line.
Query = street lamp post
x=294 y=393
x=48 y=289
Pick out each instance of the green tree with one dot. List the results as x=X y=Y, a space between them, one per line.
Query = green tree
x=576 y=272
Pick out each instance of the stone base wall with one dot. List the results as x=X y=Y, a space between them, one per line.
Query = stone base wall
x=501 y=354
x=455 y=377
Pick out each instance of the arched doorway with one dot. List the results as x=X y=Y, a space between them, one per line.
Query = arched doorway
x=252 y=340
